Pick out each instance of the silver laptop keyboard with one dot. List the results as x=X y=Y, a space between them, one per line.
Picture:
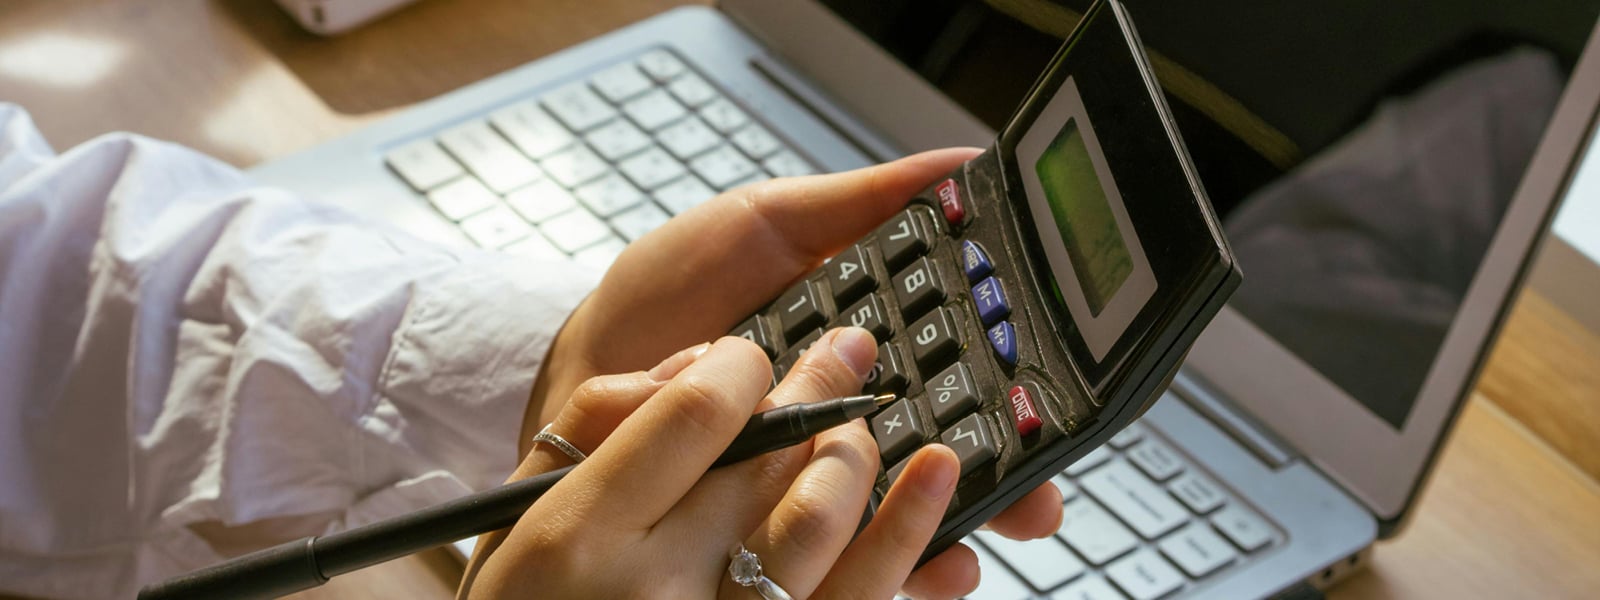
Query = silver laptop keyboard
x=1140 y=522
x=586 y=168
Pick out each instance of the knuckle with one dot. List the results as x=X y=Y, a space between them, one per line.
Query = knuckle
x=812 y=521
x=701 y=403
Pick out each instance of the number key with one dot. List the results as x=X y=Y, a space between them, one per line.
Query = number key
x=951 y=393
x=799 y=311
x=933 y=340
x=888 y=375
x=867 y=314
x=754 y=330
x=792 y=355
x=850 y=276
x=972 y=442
x=903 y=238
x=917 y=289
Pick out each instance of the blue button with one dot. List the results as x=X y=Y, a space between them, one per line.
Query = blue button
x=974 y=261
x=1004 y=339
x=991 y=301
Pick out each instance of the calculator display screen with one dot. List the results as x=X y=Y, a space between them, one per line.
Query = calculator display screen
x=1097 y=264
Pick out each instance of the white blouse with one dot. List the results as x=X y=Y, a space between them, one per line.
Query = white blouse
x=178 y=347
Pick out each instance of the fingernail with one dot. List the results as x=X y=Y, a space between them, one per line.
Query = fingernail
x=856 y=347
x=675 y=364
x=938 y=475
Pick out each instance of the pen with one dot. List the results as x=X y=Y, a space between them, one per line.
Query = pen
x=309 y=562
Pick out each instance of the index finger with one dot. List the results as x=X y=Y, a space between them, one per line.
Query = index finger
x=660 y=451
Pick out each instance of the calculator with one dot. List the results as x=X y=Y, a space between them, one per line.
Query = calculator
x=1039 y=298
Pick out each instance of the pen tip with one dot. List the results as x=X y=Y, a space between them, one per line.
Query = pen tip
x=883 y=399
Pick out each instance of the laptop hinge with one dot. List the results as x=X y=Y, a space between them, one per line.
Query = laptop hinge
x=1248 y=433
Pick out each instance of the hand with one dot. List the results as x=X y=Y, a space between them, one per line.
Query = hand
x=697 y=276
x=642 y=517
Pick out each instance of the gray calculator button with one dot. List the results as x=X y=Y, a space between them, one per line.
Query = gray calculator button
x=799 y=310
x=867 y=314
x=917 y=289
x=755 y=330
x=933 y=340
x=973 y=443
x=888 y=375
x=849 y=275
x=897 y=430
x=951 y=393
x=901 y=239
x=792 y=355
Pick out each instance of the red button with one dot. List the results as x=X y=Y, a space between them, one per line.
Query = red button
x=1028 y=420
x=950 y=201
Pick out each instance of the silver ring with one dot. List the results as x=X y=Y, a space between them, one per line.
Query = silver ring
x=560 y=443
x=746 y=571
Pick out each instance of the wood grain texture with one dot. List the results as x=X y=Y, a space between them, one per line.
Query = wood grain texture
x=1505 y=516
x=1545 y=372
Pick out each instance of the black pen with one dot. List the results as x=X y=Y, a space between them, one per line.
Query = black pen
x=309 y=562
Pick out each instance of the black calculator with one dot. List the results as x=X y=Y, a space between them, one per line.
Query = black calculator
x=1042 y=296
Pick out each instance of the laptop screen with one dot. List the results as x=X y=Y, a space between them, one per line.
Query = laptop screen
x=1359 y=246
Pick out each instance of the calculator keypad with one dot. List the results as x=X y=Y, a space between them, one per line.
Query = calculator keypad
x=938 y=305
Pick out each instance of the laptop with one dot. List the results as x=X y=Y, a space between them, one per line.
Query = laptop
x=1222 y=490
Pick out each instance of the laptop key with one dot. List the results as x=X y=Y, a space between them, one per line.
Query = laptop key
x=1197 y=492
x=609 y=195
x=723 y=116
x=1093 y=532
x=683 y=193
x=541 y=201
x=1044 y=564
x=693 y=90
x=574 y=165
x=489 y=156
x=723 y=167
x=688 y=138
x=617 y=139
x=652 y=168
x=1093 y=459
x=1093 y=587
x=1197 y=550
x=1144 y=575
x=620 y=82
x=601 y=255
x=1143 y=505
x=756 y=141
x=574 y=230
x=496 y=228
x=461 y=198
x=1156 y=459
x=578 y=107
x=1068 y=489
x=787 y=164
x=532 y=129
x=654 y=110
x=536 y=246
x=423 y=165
x=995 y=582
x=633 y=223
x=1242 y=527
x=1129 y=436
x=661 y=65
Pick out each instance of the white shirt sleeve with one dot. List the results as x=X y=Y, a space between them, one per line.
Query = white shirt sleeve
x=178 y=347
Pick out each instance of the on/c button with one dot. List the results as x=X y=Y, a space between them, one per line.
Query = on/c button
x=1024 y=412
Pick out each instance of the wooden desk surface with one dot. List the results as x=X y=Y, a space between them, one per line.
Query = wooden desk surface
x=1505 y=515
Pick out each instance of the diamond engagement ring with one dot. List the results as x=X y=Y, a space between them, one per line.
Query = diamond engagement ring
x=560 y=443
x=746 y=571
